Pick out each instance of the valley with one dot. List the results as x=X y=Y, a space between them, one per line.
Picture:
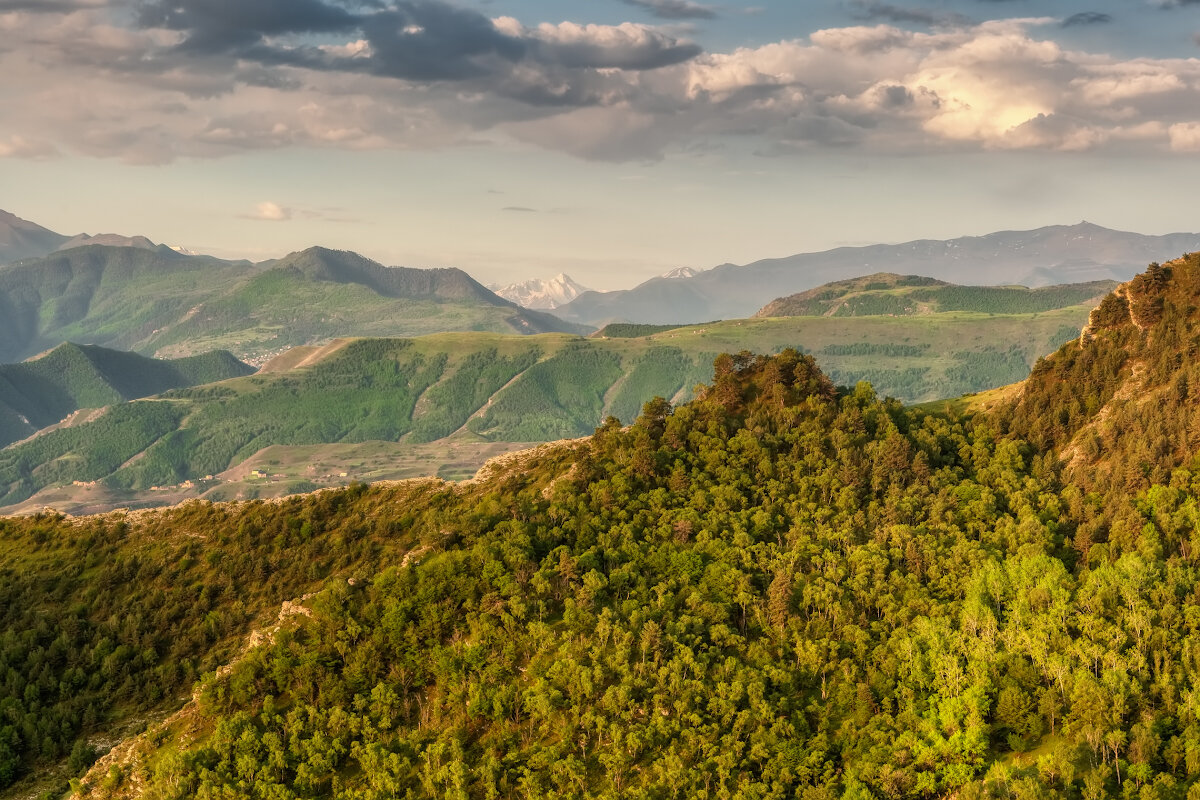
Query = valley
x=981 y=588
x=477 y=528
x=624 y=400
x=443 y=404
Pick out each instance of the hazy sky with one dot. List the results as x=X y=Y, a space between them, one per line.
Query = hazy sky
x=612 y=139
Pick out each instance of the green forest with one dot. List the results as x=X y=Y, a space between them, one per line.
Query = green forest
x=780 y=588
x=903 y=295
x=475 y=385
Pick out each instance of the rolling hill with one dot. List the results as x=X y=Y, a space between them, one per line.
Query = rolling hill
x=160 y=302
x=885 y=293
x=441 y=403
x=44 y=391
x=777 y=589
x=1050 y=255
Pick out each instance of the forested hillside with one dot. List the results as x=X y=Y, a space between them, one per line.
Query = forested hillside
x=778 y=589
x=42 y=392
x=774 y=590
x=906 y=295
x=160 y=302
x=475 y=390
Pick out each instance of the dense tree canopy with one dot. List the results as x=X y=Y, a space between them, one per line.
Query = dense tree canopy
x=780 y=589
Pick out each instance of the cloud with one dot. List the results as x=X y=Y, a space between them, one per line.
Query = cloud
x=48 y=6
x=1185 y=137
x=675 y=9
x=20 y=147
x=626 y=47
x=417 y=75
x=871 y=11
x=1087 y=18
x=222 y=26
x=522 y=209
x=270 y=212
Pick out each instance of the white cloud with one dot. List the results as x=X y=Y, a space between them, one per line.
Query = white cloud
x=1185 y=137
x=271 y=212
x=79 y=83
x=20 y=147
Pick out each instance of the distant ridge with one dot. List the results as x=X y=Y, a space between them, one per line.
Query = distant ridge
x=42 y=392
x=912 y=295
x=20 y=239
x=159 y=301
x=109 y=240
x=344 y=266
x=1056 y=254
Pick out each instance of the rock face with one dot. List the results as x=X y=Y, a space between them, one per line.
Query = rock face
x=1122 y=404
x=543 y=294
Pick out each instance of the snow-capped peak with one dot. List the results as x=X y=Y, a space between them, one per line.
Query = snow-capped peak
x=546 y=294
x=681 y=272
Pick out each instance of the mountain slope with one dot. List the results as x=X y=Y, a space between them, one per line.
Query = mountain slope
x=478 y=388
x=38 y=393
x=108 y=240
x=777 y=590
x=23 y=239
x=1055 y=254
x=1122 y=404
x=166 y=303
x=903 y=295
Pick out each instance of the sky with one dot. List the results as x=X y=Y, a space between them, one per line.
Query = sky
x=610 y=139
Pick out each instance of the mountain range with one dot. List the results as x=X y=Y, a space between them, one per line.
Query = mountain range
x=440 y=404
x=159 y=301
x=885 y=293
x=1050 y=255
x=781 y=588
x=20 y=239
x=542 y=294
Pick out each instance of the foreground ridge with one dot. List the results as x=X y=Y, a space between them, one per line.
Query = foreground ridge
x=778 y=589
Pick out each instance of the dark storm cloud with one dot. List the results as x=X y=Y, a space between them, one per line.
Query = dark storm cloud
x=225 y=25
x=431 y=41
x=1086 y=18
x=415 y=40
x=650 y=52
x=874 y=11
x=46 y=6
x=674 y=9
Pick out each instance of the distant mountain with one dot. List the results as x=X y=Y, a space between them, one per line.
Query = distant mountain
x=540 y=294
x=885 y=293
x=435 y=398
x=163 y=302
x=42 y=392
x=23 y=239
x=109 y=240
x=680 y=272
x=1055 y=254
